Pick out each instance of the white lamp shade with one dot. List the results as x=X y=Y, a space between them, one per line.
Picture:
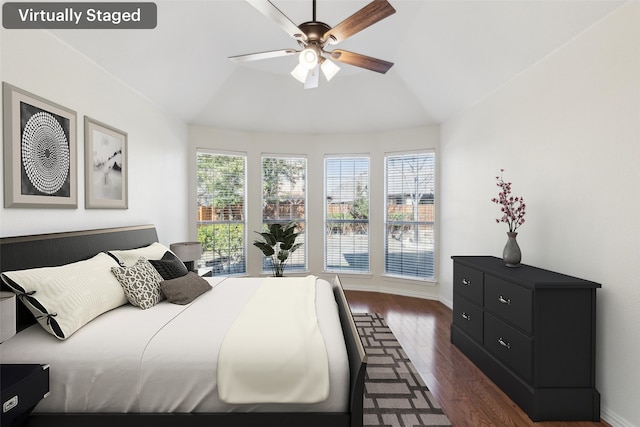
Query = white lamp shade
x=7 y=315
x=308 y=58
x=329 y=69
x=300 y=73
x=187 y=251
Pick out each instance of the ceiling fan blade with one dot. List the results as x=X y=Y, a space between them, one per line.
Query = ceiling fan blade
x=375 y=11
x=313 y=78
x=262 y=55
x=271 y=11
x=362 y=61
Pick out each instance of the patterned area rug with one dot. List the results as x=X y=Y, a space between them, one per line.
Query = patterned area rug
x=395 y=394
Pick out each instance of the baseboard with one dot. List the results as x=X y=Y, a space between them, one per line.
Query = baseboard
x=447 y=302
x=391 y=290
x=614 y=419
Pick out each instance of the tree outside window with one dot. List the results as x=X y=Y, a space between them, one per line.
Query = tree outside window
x=221 y=212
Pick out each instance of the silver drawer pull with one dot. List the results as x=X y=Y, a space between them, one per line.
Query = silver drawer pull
x=502 y=300
x=466 y=282
x=504 y=343
x=465 y=316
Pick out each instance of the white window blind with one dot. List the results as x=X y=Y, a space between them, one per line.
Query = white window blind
x=221 y=212
x=284 y=192
x=347 y=214
x=409 y=217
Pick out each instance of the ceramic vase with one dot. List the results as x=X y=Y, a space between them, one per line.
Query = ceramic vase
x=511 y=254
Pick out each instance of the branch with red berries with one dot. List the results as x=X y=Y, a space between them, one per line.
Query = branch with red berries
x=512 y=208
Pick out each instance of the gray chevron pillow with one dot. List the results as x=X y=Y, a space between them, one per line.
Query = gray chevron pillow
x=141 y=283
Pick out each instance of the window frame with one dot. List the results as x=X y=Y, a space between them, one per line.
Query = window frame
x=303 y=248
x=326 y=222
x=243 y=221
x=428 y=224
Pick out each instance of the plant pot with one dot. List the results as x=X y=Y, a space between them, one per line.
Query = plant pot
x=511 y=254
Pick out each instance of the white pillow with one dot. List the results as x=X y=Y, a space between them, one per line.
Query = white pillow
x=129 y=257
x=63 y=299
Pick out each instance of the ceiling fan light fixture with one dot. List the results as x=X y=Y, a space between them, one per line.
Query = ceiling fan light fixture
x=312 y=37
x=309 y=58
x=329 y=68
x=300 y=73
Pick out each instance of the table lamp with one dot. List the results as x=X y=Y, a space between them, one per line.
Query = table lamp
x=188 y=252
x=7 y=315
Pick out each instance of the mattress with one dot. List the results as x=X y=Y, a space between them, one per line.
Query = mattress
x=164 y=359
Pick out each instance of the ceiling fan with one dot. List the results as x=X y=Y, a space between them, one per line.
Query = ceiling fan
x=314 y=37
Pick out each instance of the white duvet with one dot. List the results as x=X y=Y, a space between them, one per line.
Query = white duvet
x=165 y=359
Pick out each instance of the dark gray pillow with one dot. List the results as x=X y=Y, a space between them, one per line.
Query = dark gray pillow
x=185 y=289
x=170 y=266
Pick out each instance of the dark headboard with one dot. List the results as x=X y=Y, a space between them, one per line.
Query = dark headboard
x=48 y=250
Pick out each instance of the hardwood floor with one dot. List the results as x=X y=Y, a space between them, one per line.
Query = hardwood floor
x=467 y=396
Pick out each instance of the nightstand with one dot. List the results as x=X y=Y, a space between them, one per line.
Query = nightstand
x=23 y=386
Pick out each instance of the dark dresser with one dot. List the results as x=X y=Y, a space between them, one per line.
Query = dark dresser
x=23 y=387
x=532 y=332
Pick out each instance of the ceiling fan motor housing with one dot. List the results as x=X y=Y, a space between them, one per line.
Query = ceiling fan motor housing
x=315 y=32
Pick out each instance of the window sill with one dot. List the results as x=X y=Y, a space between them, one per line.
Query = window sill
x=401 y=279
x=343 y=273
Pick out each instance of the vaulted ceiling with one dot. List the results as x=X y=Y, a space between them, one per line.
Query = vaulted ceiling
x=448 y=55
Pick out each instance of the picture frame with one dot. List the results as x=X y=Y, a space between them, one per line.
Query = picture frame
x=106 y=166
x=40 y=151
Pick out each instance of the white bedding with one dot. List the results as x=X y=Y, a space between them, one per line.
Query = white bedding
x=274 y=351
x=164 y=359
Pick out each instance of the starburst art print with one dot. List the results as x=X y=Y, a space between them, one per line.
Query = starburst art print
x=40 y=151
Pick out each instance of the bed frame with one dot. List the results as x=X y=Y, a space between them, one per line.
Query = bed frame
x=47 y=250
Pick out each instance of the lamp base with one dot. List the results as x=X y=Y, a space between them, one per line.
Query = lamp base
x=190 y=265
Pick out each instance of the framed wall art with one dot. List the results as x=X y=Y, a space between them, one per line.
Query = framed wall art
x=40 y=151
x=106 y=167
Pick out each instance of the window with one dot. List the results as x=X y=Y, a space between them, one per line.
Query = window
x=221 y=212
x=346 y=214
x=284 y=189
x=409 y=218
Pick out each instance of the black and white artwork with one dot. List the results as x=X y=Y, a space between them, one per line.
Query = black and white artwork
x=40 y=151
x=44 y=152
x=106 y=166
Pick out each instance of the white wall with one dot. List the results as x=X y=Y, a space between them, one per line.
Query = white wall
x=316 y=147
x=567 y=133
x=41 y=64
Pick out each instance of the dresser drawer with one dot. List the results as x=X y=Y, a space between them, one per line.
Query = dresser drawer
x=511 y=302
x=507 y=344
x=468 y=283
x=468 y=317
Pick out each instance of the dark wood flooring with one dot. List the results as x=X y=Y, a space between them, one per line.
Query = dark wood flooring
x=467 y=396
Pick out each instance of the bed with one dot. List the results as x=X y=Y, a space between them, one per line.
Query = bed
x=159 y=359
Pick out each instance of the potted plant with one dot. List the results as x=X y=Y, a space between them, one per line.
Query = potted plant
x=278 y=243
